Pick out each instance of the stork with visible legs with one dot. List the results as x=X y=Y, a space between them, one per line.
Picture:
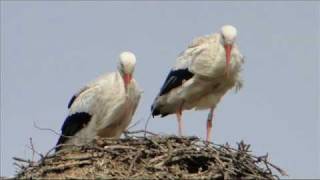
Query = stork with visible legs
x=203 y=73
x=104 y=107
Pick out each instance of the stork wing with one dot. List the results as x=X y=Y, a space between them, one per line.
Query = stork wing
x=76 y=95
x=80 y=113
x=175 y=79
x=181 y=70
x=137 y=96
x=199 y=41
x=239 y=80
x=201 y=55
x=73 y=124
x=185 y=58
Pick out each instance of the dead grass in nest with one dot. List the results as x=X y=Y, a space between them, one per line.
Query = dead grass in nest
x=151 y=157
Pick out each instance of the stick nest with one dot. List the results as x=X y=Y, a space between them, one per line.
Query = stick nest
x=151 y=157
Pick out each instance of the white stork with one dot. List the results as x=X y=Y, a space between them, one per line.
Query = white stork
x=203 y=73
x=104 y=107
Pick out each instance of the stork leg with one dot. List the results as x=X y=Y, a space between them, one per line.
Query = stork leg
x=209 y=124
x=179 y=118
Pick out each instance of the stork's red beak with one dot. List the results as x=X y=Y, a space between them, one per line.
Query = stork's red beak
x=127 y=79
x=228 y=48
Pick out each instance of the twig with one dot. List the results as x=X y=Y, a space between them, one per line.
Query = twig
x=79 y=157
x=146 y=125
x=65 y=166
x=34 y=151
x=32 y=148
x=141 y=131
x=21 y=167
x=134 y=161
x=133 y=125
x=22 y=160
x=118 y=147
x=55 y=132
x=47 y=129
x=281 y=171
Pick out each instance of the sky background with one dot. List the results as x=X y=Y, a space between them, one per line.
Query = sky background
x=49 y=50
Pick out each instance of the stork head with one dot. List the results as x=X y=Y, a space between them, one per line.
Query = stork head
x=127 y=62
x=228 y=34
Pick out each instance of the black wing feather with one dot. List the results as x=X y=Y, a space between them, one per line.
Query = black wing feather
x=173 y=80
x=73 y=124
x=71 y=101
x=74 y=97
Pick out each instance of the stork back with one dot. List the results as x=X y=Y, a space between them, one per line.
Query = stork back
x=208 y=59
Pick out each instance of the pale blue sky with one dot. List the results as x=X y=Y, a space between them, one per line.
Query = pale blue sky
x=51 y=49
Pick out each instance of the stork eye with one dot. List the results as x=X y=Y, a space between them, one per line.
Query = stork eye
x=223 y=38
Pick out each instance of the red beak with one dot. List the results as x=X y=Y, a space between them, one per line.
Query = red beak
x=127 y=79
x=228 y=48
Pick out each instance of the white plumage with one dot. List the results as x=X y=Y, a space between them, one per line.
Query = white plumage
x=104 y=107
x=203 y=73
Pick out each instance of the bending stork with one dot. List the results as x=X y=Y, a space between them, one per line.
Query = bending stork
x=203 y=73
x=104 y=107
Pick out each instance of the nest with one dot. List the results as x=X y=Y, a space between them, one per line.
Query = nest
x=151 y=157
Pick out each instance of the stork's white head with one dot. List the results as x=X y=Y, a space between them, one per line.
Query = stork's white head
x=228 y=34
x=127 y=62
